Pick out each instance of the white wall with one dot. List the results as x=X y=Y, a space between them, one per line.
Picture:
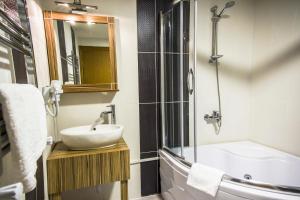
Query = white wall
x=259 y=73
x=235 y=43
x=275 y=92
x=81 y=109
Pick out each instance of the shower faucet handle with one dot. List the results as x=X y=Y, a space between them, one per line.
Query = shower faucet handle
x=215 y=117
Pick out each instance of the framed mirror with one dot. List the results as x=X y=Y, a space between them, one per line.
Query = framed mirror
x=81 y=51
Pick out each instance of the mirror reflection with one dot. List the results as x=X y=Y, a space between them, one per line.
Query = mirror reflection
x=83 y=53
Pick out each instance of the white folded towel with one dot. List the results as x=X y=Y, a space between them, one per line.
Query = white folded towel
x=25 y=119
x=12 y=192
x=205 y=179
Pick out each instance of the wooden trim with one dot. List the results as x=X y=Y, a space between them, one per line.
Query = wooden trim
x=80 y=88
x=112 y=51
x=79 y=18
x=49 y=16
x=124 y=190
x=51 y=50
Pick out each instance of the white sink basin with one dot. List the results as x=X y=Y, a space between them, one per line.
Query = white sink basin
x=81 y=137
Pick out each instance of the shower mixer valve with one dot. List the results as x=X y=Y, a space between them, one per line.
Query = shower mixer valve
x=215 y=117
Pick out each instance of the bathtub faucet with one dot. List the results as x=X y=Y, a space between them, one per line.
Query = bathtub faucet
x=215 y=117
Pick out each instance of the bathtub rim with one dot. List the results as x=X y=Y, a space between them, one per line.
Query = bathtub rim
x=288 y=190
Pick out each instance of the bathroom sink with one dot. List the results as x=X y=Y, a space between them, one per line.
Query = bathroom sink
x=82 y=137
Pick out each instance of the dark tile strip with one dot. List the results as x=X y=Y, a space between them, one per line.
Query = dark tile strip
x=148 y=14
x=147 y=79
x=146 y=25
x=149 y=178
x=150 y=154
x=148 y=135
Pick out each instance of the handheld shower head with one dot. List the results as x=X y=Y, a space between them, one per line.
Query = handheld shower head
x=214 y=9
x=227 y=5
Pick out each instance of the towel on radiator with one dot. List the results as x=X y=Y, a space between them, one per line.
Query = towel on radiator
x=205 y=179
x=25 y=118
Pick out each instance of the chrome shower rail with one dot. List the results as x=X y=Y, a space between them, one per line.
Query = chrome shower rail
x=255 y=184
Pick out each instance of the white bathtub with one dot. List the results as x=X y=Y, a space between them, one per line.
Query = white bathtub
x=266 y=166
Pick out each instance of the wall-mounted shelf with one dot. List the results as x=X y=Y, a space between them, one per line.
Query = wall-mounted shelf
x=70 y=170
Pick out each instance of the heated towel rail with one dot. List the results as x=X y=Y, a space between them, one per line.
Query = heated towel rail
x=14 y=36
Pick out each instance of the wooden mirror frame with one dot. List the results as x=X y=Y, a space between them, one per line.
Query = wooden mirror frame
x=49 y=16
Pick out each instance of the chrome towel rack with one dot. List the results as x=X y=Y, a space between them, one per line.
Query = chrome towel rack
x=14 y=35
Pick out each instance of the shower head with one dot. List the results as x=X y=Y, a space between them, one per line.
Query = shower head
x=227 y=5
x=214 y=9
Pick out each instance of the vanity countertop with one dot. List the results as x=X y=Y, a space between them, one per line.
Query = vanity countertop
x=70 y=170
x=60 y=151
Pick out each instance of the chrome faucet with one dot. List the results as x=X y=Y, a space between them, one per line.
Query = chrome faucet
x=100 y=119
x=112 y=112
x=215 y=117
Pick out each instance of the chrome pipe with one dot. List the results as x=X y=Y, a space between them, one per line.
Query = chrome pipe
x=181 y=80
x=162 y=75
x=195 y=81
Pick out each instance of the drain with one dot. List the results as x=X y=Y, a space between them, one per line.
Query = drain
x=247 y=176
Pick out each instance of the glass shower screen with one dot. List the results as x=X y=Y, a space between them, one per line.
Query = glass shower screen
x=177 y=81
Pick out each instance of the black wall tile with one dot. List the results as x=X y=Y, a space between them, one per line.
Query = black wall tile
x=168 y=34
x=177 y=125
x=147 y=77
x=173 y=125
x=148 y=154
x=172 y=76
x=186 y=26
x=148 y=13
x=148 y=134
x=158 y=81
x=146 y=25
x=185 y=77
x=176 y=29
x=159 y=125
x=176 y=74
x=20 y=67
x=150 y=178
x=186 y=120
x=168 y=77
x=169 y=124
